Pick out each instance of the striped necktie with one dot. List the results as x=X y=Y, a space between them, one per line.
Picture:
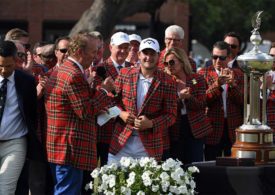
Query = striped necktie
x=3 y=95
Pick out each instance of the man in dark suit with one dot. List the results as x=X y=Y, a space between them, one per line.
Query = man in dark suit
x=71 y=106
x=17 y=117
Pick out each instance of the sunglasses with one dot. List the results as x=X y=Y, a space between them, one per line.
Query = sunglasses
x=27 y=46
x=63 y=50
x=170 y=62
x=233 y=46
x=222 y=58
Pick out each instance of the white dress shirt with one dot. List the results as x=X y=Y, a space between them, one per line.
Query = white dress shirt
x=12 y=124
x=224 y=96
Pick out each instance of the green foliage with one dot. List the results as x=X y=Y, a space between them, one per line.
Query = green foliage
x=211 y=19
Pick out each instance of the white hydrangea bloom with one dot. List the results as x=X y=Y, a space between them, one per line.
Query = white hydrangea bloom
x=141 y=193
x=182 y=189
x=112 y=181
x=155 y=188
x=95 y=173
x=125 y=161
x=193 y=169
x=164 y=176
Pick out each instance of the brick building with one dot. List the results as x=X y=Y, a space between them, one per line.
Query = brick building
x=48 y=19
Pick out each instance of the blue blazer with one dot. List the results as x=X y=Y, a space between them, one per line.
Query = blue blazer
x=27 y=99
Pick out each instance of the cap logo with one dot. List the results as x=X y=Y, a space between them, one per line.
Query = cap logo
x=149 y=41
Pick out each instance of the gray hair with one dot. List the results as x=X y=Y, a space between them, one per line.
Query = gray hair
x=175 y=29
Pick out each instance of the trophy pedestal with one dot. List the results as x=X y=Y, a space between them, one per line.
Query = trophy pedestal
x=256 y=144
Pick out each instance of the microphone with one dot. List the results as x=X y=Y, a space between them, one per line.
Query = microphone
x=101 y=72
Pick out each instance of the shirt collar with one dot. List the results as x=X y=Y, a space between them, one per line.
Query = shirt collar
x=10 y=78
x=116 y=64
x=149 y=80
x=77 y=63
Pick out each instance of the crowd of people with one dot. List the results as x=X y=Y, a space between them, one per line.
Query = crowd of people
x=51 y=97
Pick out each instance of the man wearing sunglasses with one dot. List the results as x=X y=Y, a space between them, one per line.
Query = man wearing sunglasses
x=224 y=98
x=61 y=48
x=234 y=41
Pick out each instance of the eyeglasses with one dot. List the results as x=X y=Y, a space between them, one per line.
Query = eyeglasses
x=222 y=58
x=171 y=39
x=27 y=46
x=64 y=50
x=170 y=62
x=233 y=46
x=22 y=55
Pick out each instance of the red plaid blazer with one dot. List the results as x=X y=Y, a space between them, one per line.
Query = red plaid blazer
x=215 y=105
x=104 y=133
x=161 y=65
x=270 y=110
x=199 y=122
x=160 y=105
x=71 y=107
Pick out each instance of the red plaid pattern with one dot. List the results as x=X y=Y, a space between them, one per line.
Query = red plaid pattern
x=270 y=111
x=199 y=122
x=215 y=105
x=159 y=106
x=161 y=65
x=104 y=133
x=71 y=107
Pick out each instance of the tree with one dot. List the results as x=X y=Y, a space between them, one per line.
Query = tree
x=103 y=15
x=211 y=19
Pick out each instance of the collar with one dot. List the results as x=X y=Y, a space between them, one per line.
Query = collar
x=116 y=64
x=10 y=78
x=77 y=63
x=149 y=80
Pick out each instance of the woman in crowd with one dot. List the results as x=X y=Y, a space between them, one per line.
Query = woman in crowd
x=187 y=135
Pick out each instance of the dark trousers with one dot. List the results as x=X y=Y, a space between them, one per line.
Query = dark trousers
x=223 y=148
x=102 y=154
x=35 y=177
x=67 y=179
x=188 y=149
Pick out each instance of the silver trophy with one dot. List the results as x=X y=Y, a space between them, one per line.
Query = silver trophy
x=254 y=139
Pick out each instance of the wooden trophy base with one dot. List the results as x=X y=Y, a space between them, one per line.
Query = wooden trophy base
x=254 y=144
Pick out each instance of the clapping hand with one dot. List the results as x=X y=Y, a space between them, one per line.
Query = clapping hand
x=185 y=93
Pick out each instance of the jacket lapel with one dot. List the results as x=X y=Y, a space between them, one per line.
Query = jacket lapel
x=134 y=82
x=153 y=88
x=19 y=91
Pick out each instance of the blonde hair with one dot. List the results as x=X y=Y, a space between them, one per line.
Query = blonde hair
x=182 y=57
x=79 y=41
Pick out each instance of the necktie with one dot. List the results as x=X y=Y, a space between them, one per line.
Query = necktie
x=119 y=67
x=3 y=95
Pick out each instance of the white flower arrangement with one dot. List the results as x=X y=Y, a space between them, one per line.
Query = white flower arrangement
x=143 y=176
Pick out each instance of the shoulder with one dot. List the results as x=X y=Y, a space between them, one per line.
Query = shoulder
x=19 y=74
x=165 y=78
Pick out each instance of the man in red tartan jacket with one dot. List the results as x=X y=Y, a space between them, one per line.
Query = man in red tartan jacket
x=148 y=100
x=71 y=107
x=224 y=98
x=119 y=47
x=174 y=35
x=271 y=87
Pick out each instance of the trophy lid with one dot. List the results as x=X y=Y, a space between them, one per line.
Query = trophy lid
x=255 y=60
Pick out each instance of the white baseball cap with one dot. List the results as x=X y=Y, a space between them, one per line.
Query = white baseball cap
x=119 y=38
x=149 y=43
x=135 y=37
